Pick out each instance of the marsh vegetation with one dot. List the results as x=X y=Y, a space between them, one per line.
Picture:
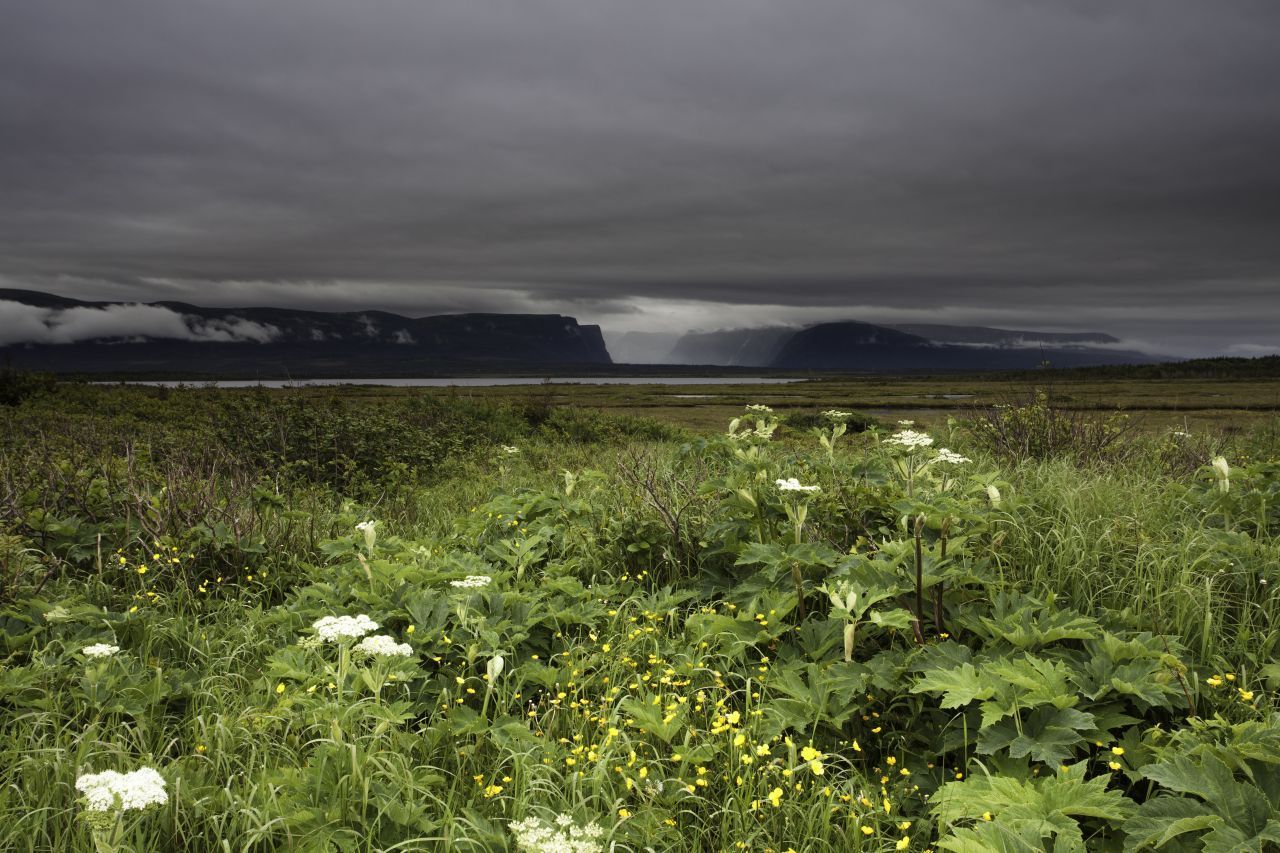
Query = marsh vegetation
x=361 y=620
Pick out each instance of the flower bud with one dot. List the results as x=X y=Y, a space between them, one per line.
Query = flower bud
x=1222 y=471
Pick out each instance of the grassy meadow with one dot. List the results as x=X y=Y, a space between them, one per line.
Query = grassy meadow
x=772 y=618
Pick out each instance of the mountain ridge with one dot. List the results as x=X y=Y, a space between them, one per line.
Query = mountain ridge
x=50 y=332
x=44 y=331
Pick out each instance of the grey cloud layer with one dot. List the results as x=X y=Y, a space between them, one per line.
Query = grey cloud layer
x=20 y=324
x=1072 y=160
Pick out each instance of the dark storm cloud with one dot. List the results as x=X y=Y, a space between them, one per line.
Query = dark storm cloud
x=1055 y=164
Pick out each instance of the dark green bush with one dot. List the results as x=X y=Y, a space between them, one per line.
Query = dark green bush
x=19 y=385
x=805 y=421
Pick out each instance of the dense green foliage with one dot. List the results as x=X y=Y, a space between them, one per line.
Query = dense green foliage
x=761 y=640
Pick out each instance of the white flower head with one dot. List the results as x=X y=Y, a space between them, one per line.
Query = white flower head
x=837 y=415
x=791 y=484
x=1222 y=470
x=993 y=495
x=561 y=835
x=758 y=407
x=508 y=449
x=100 y=650
x=905 y=424
x=380 y=645
x=334 y=629
x=370 y=531
x=472 y=582
x=110 y=790
x=950 y=456
x=909 y=438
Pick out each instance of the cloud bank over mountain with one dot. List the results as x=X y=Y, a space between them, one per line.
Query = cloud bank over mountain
x=23 y=324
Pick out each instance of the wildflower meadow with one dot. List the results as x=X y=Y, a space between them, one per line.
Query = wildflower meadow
x=252 y=624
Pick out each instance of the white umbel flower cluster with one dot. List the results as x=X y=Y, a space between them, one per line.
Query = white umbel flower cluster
x=759 y=407
x=381 y=645
x=472 y=582
x=909 y=438
x=333 y=629
x=837 y=415
x=100 y=650
x=110 y=790
x=370 y=531
x=945 y=455
x=508 y=449
x=791 y=484
x=535 y=835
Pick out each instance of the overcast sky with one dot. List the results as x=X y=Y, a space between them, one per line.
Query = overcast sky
x=666 y=164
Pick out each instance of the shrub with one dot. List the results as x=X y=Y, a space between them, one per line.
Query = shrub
x=18 y=385
x=1035 y=427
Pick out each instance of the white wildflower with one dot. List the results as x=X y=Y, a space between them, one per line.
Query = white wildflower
x=1222 y=470
x=333 y=629
x=473 y=582
x=791 y=484
x=370 y=531
x=381 y=645
x=910 y=438
x=757 y=407
x=837 y=415
x=945 y=455
x=993 y=494
x=111 y=790
x=508 y=449
x=100 y=650
x=535 y=835
x=906 y=424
